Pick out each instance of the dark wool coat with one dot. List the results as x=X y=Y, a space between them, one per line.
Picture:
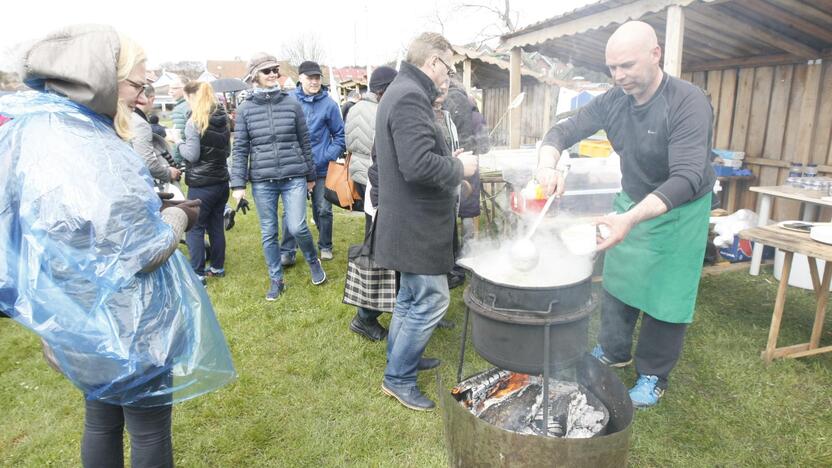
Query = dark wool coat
x=417 y=180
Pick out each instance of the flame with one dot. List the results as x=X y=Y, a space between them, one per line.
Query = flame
x=513 y=383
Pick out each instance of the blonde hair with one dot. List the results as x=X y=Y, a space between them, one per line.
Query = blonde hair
x=130 y=54
x=203 y=104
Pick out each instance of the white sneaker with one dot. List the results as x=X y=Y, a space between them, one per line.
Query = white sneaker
x=326 y=254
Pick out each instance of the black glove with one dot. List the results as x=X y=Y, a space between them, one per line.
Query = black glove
x=242 y=205
x=190 y=207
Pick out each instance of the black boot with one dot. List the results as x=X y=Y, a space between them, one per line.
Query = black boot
x=373 y=331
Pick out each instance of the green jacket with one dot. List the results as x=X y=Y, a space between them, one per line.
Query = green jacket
x=180 y=118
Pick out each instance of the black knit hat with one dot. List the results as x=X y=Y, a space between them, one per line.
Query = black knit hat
x=381 y=78
x=309 y=68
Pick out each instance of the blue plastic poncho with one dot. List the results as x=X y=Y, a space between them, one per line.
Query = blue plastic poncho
x=79 y=220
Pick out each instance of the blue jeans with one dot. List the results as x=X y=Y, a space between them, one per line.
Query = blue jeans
x=293 y=191
x=321 y=213
x=421 y=303
x=211 y=221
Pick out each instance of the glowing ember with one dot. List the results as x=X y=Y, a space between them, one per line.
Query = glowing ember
x=514 y=402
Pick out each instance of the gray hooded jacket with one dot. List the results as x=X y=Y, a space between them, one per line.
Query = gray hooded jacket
x=80 y=62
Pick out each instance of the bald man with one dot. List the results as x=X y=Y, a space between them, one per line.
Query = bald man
x=661 y=127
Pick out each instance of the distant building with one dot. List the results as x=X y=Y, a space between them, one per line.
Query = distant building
x=226 y=68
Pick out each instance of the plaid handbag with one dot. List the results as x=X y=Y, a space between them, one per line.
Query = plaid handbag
x=368 y=285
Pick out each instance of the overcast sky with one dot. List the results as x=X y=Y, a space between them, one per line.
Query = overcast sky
x=354 y=32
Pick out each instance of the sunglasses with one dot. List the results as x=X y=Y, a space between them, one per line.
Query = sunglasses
x=141 y=87
x=451 y=71
x=270 y=71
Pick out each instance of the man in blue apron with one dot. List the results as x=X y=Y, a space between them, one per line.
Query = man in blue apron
x=661 y=127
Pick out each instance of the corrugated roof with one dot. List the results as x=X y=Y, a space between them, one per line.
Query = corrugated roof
x=492 y=71
x=718 y=33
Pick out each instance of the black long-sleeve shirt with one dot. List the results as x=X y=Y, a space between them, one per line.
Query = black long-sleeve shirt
x=664 y=144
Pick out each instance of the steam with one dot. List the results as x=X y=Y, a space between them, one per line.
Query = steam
x=566 y=245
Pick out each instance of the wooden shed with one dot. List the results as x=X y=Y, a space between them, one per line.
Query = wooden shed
x=490 y=74
x=765 y=64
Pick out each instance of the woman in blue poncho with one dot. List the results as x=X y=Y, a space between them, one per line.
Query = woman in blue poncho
x=89 y=260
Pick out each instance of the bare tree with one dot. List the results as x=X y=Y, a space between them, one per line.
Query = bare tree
x=305 y=47
x=508 y=19
x=189 y=69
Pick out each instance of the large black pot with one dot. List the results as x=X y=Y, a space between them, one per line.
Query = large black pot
x=514 y=327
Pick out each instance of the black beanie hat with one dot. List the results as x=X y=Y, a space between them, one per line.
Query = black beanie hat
x=381 y=77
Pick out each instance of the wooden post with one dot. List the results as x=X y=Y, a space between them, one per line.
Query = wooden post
x=673 y=40
x=809 y=112
x=466 y=75
x=514 y=90
x=547 y=105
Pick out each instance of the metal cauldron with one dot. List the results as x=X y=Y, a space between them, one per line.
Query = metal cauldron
x=525 y=329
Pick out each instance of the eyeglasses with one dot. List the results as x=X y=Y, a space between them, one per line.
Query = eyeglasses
x=271 y=71
x=451 y=71
x=139 y=86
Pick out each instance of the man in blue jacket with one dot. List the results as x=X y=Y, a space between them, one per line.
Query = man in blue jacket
x=326 y=132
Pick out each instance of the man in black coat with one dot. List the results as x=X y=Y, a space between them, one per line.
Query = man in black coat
x=418 y=177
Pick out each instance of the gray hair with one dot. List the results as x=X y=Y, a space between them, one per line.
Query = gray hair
x=426 y=45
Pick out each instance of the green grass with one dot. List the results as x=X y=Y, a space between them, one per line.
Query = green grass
x=308 y=389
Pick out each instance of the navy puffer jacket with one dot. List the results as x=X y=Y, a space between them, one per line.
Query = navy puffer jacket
x=271 y=140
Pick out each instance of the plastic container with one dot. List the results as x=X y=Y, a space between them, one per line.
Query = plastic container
x=594 y=148
x=796 y=170
x=800 y=277
x=811 y=170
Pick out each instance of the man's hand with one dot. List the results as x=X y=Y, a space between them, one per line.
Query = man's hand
x=174 y=173
x=551 y=180
x=310 y=185
x=613 y=228
x=470 y=162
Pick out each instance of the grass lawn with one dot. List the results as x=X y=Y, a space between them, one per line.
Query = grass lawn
x=308 y=392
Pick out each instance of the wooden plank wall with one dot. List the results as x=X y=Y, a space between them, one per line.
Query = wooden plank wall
x=495 y=103
x=777 y=115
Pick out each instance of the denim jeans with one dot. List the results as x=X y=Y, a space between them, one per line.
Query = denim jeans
x=321 y=213
x=421 y=303
x=293 y=191
x=149 y=429
x=210 y=220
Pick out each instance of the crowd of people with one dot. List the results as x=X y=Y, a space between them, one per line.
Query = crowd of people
x=110 y=251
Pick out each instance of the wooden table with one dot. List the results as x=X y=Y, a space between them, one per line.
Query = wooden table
x=811 y=199
x=791 y=242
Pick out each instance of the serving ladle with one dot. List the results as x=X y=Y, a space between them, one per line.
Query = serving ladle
x=524 y=254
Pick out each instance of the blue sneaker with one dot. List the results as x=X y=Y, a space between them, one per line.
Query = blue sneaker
x=598 y=353
x=318 y=274
x=277 y=287
x=646 y=393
